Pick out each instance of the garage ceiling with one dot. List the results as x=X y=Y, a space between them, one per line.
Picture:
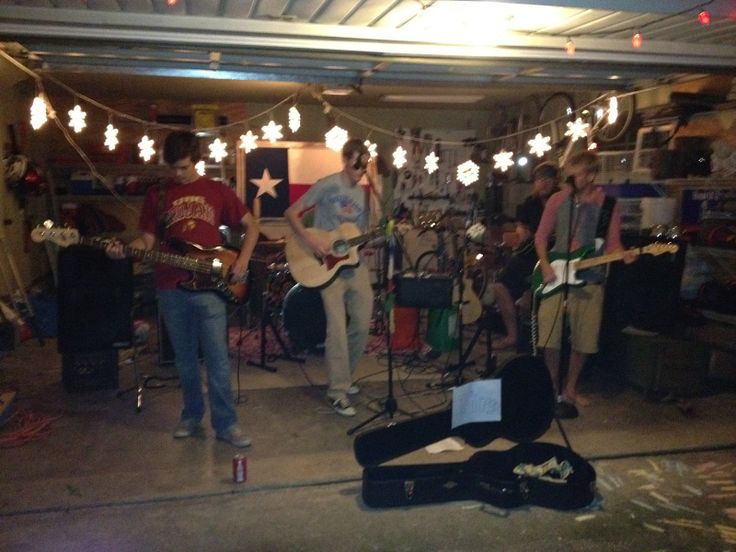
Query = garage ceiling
x=264 y=49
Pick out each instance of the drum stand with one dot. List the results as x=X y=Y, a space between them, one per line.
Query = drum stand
x=267 y=322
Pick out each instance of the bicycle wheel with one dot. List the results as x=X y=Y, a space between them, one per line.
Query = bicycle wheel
x=526 y=124
x=428 y=263
x=612 y=132
x=556 y=112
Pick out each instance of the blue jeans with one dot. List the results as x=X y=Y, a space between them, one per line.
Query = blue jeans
x=195 y=319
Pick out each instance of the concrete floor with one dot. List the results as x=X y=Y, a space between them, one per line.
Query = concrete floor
x=106 y=477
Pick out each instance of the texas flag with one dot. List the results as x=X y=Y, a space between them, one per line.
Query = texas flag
x=278 y=176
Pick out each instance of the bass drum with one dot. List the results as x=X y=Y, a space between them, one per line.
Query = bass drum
x=304 y=318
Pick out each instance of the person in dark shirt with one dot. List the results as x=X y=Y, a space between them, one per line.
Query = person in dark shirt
x=513 y=280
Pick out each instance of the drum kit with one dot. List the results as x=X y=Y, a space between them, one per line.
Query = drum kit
x=299 y=309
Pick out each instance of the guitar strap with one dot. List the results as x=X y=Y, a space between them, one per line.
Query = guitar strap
x=162 y=218
x=604 y=218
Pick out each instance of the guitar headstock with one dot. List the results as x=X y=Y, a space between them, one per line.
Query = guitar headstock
x=661 y=248
x=47 y=231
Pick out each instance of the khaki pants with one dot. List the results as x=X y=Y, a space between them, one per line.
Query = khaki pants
x=348 y=303
x=584 y=313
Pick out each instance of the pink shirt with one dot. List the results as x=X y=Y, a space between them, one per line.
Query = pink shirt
x=549 y=219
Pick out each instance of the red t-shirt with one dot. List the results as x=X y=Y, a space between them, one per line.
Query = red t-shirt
x=194 y=213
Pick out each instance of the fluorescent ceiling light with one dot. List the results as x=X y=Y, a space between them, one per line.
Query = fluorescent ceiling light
x=337 y=91
x=433 y=98
x=483 y=22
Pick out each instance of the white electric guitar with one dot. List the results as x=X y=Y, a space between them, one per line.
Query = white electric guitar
x=566 y=267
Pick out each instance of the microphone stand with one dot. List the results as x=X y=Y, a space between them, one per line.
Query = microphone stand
x=564 y=409
x=389 y=404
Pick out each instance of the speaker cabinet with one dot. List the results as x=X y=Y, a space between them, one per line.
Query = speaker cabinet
x=95 y=301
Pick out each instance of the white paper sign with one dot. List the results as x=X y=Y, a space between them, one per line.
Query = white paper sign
x=477 y=401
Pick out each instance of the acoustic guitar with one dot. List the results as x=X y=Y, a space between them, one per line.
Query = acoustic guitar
x=312 y=271
x=566 y=267
x=209 y=266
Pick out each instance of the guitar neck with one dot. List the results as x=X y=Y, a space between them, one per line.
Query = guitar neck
x=171 y=259
x=358 y=240
x=603 y=259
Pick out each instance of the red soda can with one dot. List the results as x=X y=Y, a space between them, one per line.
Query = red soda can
x=240 y=468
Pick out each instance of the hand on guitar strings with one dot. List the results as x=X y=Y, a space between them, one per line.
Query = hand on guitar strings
x=115 y=249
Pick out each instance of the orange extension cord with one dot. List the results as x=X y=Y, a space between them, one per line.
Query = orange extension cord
x=24 y=426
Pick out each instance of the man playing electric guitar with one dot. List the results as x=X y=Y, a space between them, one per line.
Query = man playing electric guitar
x=573 y=214
x=338 y=199
x=191 y=209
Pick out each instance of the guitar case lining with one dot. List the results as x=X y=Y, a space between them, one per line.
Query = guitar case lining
x=527 y=406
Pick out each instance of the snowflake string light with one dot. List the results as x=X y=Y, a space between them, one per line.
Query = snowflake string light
x=539 y=145
x=612 y=110
x=77 y=118
x=272 y=131
x=399 y=157
x=200 y=168
x=248 y=141
x=577 y=129
x=503 y=160
x=431 y=163
x=467 y=172
x=295 y=119
x=146 y=148
x=38 y=112
x=218 y=150
x=111 y=137
x=336 y=137
x=372 y=151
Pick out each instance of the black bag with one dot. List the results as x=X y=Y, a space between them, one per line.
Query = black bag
x=490 y=477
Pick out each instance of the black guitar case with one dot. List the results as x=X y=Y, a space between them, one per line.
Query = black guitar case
x=488 y=476
x=527 y=410
x=527 y=406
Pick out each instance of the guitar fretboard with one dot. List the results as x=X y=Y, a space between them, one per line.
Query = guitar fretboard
x=179 y=261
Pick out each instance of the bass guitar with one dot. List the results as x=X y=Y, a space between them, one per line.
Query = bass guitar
x=209 y=266
x=566 y=267
x=312 y=271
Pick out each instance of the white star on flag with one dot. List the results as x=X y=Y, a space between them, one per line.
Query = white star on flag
x=539 y=144
x=577 y=129
x=266 y=184
x=503 y=160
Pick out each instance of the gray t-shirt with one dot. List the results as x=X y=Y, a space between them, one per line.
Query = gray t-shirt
x=336 y=203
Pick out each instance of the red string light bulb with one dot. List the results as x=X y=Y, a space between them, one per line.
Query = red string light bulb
x=570 y=47
x=637 y=40
x=704 y=17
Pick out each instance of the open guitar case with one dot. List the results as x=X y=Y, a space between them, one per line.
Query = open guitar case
x=535 y=473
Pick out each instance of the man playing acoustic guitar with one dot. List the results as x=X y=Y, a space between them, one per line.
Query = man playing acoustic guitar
x=191 y=209
x=338 y=199
x=573 y=215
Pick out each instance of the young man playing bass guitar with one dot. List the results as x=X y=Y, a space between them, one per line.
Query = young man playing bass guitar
x=338 y=199
x=192 y=208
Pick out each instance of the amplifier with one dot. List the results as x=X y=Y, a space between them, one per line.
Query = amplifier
x=432 y=291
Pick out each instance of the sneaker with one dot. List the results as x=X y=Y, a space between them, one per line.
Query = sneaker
x=353 y=390
x=186 y=428
x=342 y=406
x=235 y=436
